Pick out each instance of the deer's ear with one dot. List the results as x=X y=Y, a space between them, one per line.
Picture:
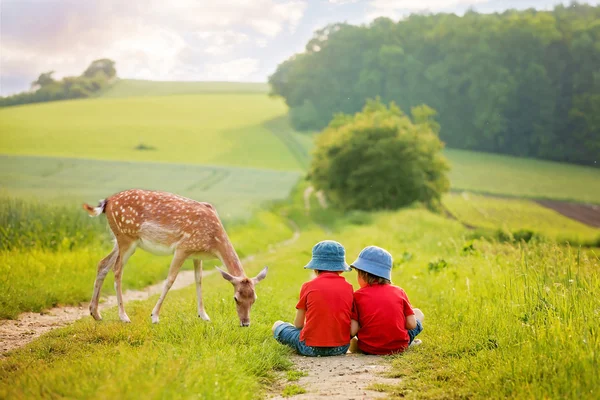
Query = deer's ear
x=261 y=275
x=226 y=275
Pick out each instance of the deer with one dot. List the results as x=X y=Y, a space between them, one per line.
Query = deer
x=164 y=223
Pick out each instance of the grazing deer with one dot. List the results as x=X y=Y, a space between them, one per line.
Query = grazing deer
x=164 y=223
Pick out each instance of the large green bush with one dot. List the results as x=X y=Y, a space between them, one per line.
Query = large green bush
x=381 y=159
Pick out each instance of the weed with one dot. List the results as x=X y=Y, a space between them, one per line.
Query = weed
x=294 y=375
x=292 y=390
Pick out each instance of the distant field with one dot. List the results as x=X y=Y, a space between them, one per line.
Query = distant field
x=236 y=192
x=523 y=177
x=222 y=129
x=134 y=87
x=513 y=215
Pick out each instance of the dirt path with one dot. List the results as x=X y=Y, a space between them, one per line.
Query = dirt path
x=19 y=332
x=345 y=377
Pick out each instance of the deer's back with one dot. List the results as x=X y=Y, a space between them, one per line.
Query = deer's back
x=163 y=219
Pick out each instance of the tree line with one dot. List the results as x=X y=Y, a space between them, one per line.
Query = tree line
x=97 y=76
x=525 y=83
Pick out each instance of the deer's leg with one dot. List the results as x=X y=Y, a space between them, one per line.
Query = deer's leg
x=198 y=276
x=176 y=264
x=126 y=249
x=103 y=267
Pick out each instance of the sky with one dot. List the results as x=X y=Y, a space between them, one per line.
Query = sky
x=186 y=40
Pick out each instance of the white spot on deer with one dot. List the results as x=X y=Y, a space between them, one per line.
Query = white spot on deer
x=122 y=218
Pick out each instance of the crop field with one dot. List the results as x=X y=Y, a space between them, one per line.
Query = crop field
x=134 y=88
x=501 y=320
x=236 y=192
x=512 y=215
x=210 y=129
x=522 y=177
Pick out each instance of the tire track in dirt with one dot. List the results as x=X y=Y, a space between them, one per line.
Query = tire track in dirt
x=31 y=325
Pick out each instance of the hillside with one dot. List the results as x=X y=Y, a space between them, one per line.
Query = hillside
x=135 y=87
x=209 y=129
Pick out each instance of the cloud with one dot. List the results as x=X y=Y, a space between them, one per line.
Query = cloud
x=149 y=39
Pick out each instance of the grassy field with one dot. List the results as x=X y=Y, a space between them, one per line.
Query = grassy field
x=523 y=177
x=236 y=192
x=510 y=321
x=221 y=129
x=511 y=215
x=135 y=87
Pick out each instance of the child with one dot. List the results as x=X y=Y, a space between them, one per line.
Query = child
x=322 y=324
x=382 y=315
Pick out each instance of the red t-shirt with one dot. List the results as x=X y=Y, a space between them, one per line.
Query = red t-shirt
x=327 y=300
x=381 y=312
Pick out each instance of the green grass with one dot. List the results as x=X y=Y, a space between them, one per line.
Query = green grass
x=293 y=375
x=511 y=215
x=209 y=129
x=502 y=321
x=292 y=390
x=236 y=192
x=523 y=177
x=134 y=87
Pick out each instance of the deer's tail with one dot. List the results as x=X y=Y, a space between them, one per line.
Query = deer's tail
x=95 y=211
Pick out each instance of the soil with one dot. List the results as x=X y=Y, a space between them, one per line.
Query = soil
x=345 y=377
x=588 y=214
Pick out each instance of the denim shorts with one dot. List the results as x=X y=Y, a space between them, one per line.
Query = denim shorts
x=289 y=335
x=414 y=332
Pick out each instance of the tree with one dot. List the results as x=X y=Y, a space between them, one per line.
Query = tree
x=103 y=65
x=44 y=79
x=380 y=159
x=521 y=82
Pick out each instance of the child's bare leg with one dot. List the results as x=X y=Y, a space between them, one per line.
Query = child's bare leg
x=354 y=346
x=275 y=325
x=419 y=314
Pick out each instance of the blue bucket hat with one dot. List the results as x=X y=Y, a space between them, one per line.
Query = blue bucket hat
x=328 y=255
x=375 y=261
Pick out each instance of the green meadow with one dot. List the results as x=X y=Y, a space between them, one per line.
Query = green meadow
x=523 y=177
x=208 y=129
x=513 y=215
x=135 y=87
x=504 y=318
x=236 y=192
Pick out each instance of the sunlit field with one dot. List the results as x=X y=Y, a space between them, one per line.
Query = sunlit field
x=236 y=192
x=501 y=319
x=208 y=129
x=523 y=177
x=135 y=87
x=510 y=216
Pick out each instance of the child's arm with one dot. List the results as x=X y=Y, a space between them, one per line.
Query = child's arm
x=300 y=315
x=354 y=327
x=411 y=322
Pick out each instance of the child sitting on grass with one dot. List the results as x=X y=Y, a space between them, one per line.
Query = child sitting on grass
x=382 y=315
x=322 y=324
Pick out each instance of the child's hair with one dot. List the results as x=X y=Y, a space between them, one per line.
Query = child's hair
x=372 y=279
x=319 y=271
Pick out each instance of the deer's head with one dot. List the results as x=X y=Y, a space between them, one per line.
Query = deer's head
x=243 y=293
